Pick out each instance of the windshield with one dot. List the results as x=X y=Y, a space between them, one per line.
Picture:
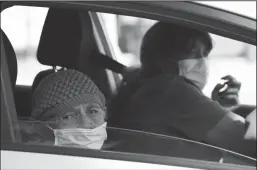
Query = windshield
x=139 y=142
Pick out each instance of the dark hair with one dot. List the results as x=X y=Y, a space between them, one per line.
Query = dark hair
x=165 y=43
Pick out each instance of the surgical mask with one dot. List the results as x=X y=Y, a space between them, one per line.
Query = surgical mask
x=196 y=70
x=80 y=137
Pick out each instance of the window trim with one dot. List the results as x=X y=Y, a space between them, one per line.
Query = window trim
x=103 y=36
x=161 y=160
x=191 y=14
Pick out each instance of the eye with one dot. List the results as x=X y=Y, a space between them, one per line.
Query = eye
x=68 y=116
x=93 y=111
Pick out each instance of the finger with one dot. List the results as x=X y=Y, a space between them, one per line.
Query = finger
x=228 y=77
x=232 y=81
x=229 y=100
x=235 y=84
x=218 y=87
x=229 y=91
x=231 y=97
x=216 y=92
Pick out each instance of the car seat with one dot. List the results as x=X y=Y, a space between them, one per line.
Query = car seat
x=67 y=40
x=11 y=59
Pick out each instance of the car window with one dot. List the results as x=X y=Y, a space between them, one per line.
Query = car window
x=139 y=142
x=23 y=26
x=48 y=133
x=226 y=57
x=238 y=7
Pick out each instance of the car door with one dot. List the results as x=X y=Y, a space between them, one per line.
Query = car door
x=37 y=156
x=27 y=157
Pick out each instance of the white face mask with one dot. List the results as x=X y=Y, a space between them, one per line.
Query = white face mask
x=87 y=138
x=195 y=70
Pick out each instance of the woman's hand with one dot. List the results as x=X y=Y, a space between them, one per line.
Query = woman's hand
x=228 y=98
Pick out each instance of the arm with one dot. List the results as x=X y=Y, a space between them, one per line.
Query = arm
x=224 y=128
x=229 y=133
x=176 y=105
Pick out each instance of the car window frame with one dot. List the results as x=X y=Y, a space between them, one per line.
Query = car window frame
x=107 y=155
x=213 y=20
x=114 y=79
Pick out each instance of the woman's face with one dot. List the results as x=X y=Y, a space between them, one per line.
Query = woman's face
x=87 y=116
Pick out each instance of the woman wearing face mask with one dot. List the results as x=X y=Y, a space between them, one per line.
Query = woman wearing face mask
x=69 y=105
x=165 y=95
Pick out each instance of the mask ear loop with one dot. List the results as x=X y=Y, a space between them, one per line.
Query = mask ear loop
x=33 y=122
x=49 y=127
x=41 y=122
x=46 y=125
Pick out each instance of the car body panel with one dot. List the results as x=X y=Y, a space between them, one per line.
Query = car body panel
x=28 y=160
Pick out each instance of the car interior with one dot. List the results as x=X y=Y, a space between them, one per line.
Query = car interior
x=76 y=49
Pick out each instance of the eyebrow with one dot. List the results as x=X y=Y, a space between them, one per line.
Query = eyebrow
x=94 y=105
x=88 y=105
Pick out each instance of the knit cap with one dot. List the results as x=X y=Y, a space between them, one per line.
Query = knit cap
x=61 y=91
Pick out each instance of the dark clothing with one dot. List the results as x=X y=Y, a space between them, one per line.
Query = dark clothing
x=166 y=104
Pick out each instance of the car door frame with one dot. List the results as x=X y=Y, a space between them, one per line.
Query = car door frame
x=92 y=153
x=195 y=15
x=114 y=78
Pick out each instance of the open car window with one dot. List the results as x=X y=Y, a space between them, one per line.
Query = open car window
x=226 y=57
x=139 y=142
x=125 y=34
x=25 y=40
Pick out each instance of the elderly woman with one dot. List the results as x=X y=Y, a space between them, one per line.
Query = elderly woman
x=71 y=111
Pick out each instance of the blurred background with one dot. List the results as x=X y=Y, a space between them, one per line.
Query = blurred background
x=23 y=26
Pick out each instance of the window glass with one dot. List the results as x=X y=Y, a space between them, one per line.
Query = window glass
x=130 y=141
x=23 y=26
x=226 y=57
x=246 y=8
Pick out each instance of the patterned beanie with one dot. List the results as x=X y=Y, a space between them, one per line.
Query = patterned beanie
x=61 y=91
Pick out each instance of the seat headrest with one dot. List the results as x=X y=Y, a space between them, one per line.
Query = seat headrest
x=11 y=58
x=64 y=33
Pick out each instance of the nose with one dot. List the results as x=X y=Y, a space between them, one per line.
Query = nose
x=83 y=120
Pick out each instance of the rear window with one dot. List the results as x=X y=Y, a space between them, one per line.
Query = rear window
x=23 y=26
